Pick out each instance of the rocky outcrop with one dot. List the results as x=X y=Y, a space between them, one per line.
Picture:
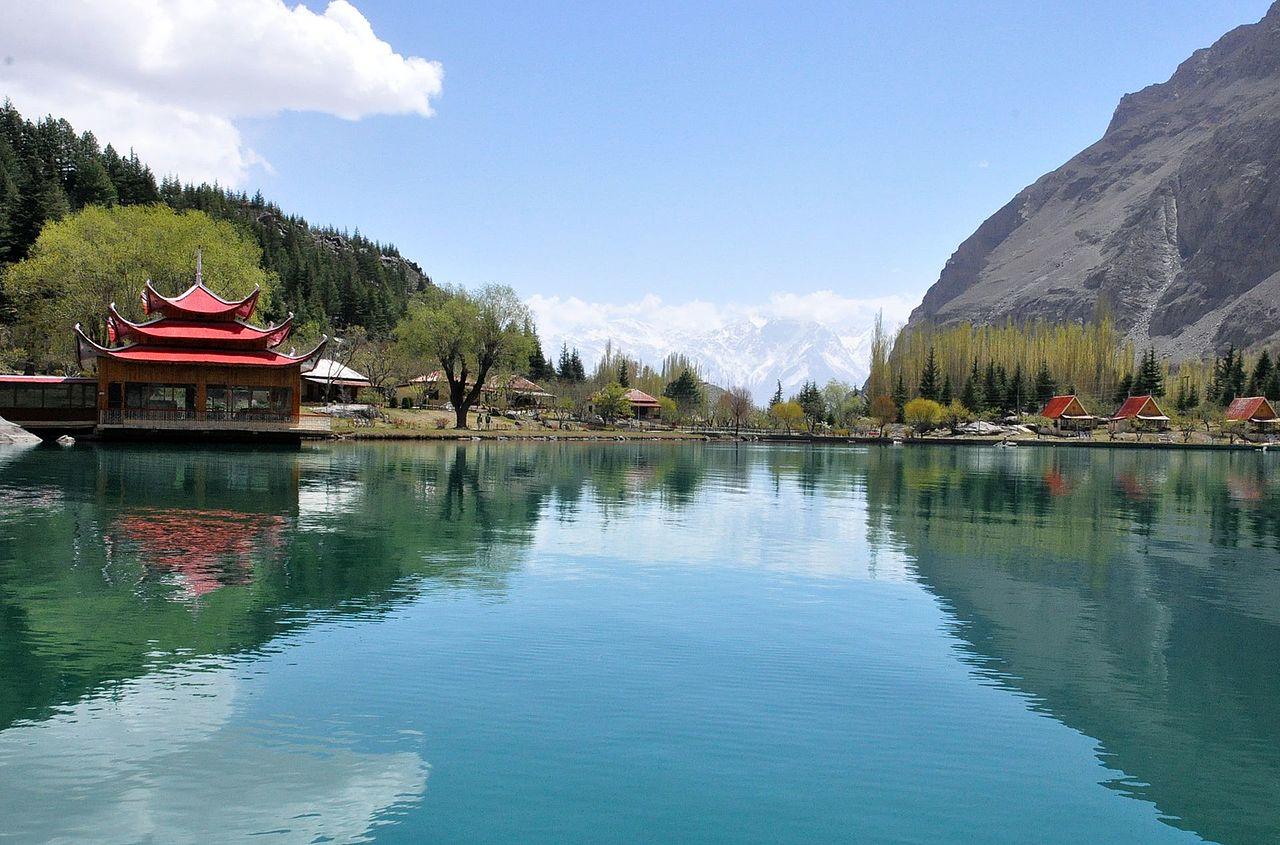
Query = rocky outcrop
x=12 y=435
x=1171 y=220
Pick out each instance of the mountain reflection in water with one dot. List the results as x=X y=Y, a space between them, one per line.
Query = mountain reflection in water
x=1132 y=596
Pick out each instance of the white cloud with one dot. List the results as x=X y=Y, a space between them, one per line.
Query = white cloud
x=170 y=77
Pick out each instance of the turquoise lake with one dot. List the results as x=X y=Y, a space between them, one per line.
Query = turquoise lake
x=528 y=643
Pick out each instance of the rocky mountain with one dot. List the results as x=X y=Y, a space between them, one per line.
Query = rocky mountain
x=1171 y=220
x=754 y=353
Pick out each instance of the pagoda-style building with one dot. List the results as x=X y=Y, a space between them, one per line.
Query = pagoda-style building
x=197 y=366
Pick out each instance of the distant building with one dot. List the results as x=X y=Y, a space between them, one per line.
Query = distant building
x=1140 y=413
x=516 y=392
x=513 y=390
x=1068 y=414
x=1254 y=412
x=330 y=381
x=643 y=406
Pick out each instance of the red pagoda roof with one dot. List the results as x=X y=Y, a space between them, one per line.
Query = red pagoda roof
x=220 y=334
x=88 y=349
x=198 y=303
x=1142 y=407
x=1251 y=409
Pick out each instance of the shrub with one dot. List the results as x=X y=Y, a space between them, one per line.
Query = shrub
x=922 y=414
x=406 y=402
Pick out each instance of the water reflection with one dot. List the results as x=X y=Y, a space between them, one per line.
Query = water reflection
x=1142 y=607
x=1134 y=596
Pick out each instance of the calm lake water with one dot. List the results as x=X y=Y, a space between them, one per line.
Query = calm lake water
x=626 y=643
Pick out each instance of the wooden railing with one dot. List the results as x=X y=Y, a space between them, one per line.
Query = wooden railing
x=177 y=419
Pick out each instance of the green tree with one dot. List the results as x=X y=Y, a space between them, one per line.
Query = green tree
x=1150 y=376
x=612 y=403
x=624 y=373
x=467 y=335
x=972 y=396
x=1015 y=396
x=1045 y=385
x=1260 y=378
x=899 y=395
x=97 y=256
x=686 y=391
x=92 y=185
x=811 y=402
x=930 y=387
x=947 y=394
x=777 y=395
x=539 y=368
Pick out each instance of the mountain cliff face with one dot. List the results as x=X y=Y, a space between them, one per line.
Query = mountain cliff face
x=1171 y=220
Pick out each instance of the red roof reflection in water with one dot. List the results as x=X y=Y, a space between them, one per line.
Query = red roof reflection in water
x=207 y=549
x=1057 y=483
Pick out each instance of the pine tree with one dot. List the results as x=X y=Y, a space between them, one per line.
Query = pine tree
x=1124 y=389
x=578 y=372
x=686 y=391
x=900 y=395
x=777 y=395
x=91 y=185
x=564 y=367
x=947 y=394
x=1016 y=392
x=929 y=387
x=1150 y=376
x=537 y=361
x=1235 y=381
x=1272 y=388
x=811 y=402
x=972 y=396
x=624 y=373
x=1260 y=378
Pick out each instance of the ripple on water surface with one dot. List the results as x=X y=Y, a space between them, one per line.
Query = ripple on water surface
x=566 y=642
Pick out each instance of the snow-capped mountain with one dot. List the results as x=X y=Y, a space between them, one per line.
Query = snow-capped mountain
x=755 y=353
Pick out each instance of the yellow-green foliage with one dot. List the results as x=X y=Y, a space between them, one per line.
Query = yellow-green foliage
x=788 y=415
x=82 y=263
x=1091 y=356
x=922 y=414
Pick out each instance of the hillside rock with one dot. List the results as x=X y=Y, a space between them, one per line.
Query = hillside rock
x=1170 y=220
x=338 y=244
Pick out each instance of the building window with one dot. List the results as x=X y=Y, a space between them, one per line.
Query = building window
x=150 y=396
x=28 y=396
x=249 y=401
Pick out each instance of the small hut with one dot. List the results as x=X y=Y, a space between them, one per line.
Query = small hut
x=515 y=391
x=1140 y=413
x=1254 y=413
x=643 y=406
x=332 y=381
x=1067 y=414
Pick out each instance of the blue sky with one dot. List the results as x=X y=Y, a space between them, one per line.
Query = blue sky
x=691 y=150
x=725 y=153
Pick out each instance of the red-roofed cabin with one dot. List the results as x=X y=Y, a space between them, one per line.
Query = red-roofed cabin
x=1140 y=413
x=1255 y=412
x=197 y=366
x=643 y=406
x=1068 y=414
